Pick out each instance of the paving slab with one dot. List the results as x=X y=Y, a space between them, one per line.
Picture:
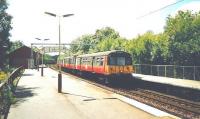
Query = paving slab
x=37 y=98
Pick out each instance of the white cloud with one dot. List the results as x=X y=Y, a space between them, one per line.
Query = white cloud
x=29 y=20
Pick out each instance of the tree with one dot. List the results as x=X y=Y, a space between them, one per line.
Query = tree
x=119 y=44
x=148 y=48
x=106 y=33
x=82 y=44
x=160 y=51
x=15 y=45
x=104 y=45
x=5 y=27
x=183 y=31
x=104 y=38
x=141 y=48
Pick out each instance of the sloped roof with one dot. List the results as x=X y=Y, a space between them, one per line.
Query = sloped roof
x=21 y=50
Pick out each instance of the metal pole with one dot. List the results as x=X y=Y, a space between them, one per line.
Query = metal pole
x=183 y=72
x=174 y=71
x=31 y=56
x=157 y=70
x=38 y=61
x=194 y=73
x=42 y=61
x=135 y=68
x=59 y=74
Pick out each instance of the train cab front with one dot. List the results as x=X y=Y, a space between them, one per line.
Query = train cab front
x=119 y=66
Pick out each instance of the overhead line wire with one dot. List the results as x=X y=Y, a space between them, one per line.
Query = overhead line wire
x=159 y=9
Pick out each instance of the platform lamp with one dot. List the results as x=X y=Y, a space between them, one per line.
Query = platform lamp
x=59 y=31
x=42 y=55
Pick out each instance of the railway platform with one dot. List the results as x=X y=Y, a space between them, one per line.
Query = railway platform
x=185 y=83
x=37 y=98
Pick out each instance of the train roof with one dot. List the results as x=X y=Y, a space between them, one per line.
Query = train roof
x=70 y=56
x=102 y=53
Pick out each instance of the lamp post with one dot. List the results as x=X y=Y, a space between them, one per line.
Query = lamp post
x=42 y=55
x=59 y=30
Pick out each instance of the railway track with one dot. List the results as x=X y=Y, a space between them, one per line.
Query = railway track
x=173 y=105
x=179 y=107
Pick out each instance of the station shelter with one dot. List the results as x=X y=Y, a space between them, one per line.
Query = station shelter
x=24 y=56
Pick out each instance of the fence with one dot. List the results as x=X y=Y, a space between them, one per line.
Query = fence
x=172 y=71
x=6 y=90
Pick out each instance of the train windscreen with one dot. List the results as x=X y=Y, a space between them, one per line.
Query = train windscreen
x=121 y=61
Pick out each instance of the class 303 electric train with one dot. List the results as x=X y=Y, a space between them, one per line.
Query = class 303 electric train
x=110 y=64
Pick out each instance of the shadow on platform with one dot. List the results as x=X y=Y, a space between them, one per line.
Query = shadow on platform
x=89 y=98
x=22 y=94
x=78 y=95
x=27 y=74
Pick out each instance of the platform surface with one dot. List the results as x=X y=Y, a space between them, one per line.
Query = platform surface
x=171 y=81
x=37 y=98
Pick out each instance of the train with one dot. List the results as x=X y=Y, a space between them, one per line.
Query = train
x=109 y=65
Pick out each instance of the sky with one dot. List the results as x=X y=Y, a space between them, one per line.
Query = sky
x=30 y=22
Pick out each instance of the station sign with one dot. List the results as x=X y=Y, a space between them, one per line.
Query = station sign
x=49 y=49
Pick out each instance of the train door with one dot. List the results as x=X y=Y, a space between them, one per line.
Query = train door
x=93 y=59
x=78 y=63
x=105 y=63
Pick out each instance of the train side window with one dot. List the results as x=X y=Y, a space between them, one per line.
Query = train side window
x=128 y=61
x=95 y=61
x=86 y=60
x=112 y=60
x=101 y=61
x=90 y=61
x=73 y=60
x=98 y=61
x=83 y=61
x=120 y=60
x=79 y=61
x=69 y=61
x=65 y=61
